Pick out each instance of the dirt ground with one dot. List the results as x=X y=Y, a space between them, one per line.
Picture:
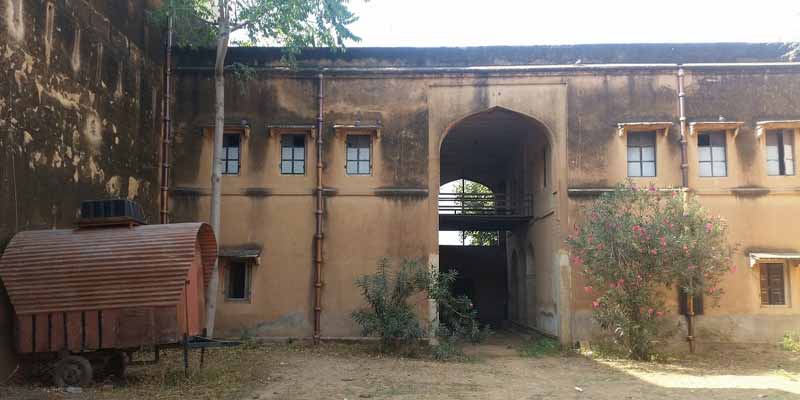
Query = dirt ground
x=495 y=370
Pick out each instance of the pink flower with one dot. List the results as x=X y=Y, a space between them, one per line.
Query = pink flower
x=620 y=282
x=587 y=289
x=652 y=188
x=663 y=241
x=577 y=261
x=691 y=267
x=709 y=227
x=659 y=313
x=733 y=269
x=674 y=193
x=595 y=304
x=650 y=311
x=653 y=251
x=601 y=246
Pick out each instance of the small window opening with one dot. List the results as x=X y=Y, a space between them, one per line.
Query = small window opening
x=238 y=287
x=231 y=143
x=642 y=154
x=711 y=154
x=359 y=155
x=780 y=152
x=293 y=154
x=773 y=289
x=683 y=304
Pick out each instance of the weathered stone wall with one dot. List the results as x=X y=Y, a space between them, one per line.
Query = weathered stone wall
x=420 y=94
x=80 y=93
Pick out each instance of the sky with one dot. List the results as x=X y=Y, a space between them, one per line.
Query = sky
x=433 y=23
x=460 y=23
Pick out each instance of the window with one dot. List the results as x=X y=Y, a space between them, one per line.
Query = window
x=230 y=153
x=773 y=289
x=359 y=155
x=238 y=282
x=780 y=152
x=711 y=153
x=641 y=154
x=293 y=154
x=683 y=304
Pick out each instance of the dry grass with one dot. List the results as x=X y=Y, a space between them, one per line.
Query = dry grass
x=500 y=370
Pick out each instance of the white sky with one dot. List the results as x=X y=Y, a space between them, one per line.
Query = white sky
x=530 y=22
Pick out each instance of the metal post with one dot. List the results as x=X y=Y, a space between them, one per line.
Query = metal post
x=186 y=354
x=203 y=349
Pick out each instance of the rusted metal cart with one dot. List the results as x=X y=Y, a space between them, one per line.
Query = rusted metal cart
x=86 y=299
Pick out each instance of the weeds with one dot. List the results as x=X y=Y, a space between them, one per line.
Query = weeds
x=540 y=346
x=791 y=341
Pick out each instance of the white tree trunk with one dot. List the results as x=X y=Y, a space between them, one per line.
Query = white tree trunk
x=216 y=172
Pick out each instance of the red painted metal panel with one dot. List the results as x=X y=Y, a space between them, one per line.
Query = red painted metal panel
x=135 y=327
x=42 y=334
x=25 y=333
x=109 y=328
x=166 y=325
x=74 y=331
x=194 y=296
x=102 y=268
x=57 y=324
x=91 y=330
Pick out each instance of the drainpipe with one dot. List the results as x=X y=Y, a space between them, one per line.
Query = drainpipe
x=682 y=110
x=166 y=137
x=684 y=190
x=318 y=236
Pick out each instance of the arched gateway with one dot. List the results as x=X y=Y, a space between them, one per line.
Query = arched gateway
x=511 y=154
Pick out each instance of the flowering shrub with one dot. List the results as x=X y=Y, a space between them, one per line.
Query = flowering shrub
x=635 y=242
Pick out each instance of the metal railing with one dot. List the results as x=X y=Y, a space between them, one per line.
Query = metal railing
x=485 y=204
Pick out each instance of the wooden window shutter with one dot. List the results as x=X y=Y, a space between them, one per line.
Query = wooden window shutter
x=683 y=306
x=776 y=284
x=764 y=285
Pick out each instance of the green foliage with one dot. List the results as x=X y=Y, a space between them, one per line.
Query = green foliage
x=636 y=241
x=791 y=341
x=475 y=238
x=457 y=314
x=390 y=316
x=540 y=346
x=292 y=24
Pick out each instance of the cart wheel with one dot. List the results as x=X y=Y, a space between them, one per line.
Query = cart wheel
x=72 y=371
x=117 y=365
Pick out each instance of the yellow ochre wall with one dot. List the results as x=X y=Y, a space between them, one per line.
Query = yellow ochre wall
x=393 y=213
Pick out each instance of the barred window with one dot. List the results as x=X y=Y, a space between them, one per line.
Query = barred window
x=711 y=154
x=773 y=286
x=293 y=154
x=231 y=143
x=780 y=152
x=359 y=155
x=641 y=154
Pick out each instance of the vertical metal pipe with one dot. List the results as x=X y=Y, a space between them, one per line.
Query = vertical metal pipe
x=318 y=235
x=166 y=136
x=682 y=111
x=684 y=190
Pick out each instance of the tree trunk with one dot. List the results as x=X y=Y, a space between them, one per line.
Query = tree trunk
x=216 y=172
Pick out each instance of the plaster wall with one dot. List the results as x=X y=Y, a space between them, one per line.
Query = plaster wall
x=760 y=209
x=80 y=94
x=393 y=212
